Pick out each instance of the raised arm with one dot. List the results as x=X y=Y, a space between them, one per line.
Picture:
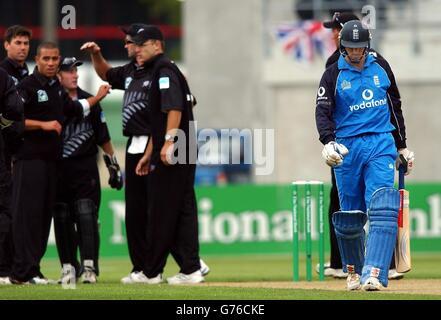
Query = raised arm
x=99 y=63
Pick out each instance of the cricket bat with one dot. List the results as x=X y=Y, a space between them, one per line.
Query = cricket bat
x=402 y=247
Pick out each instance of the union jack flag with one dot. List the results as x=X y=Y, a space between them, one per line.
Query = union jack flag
x=305 y=39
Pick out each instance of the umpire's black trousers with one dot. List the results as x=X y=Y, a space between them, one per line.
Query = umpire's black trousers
x=136 y=210
x=172 y=219
x=34 y=190
x=334 y=206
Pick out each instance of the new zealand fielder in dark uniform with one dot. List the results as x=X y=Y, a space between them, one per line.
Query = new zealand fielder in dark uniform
x=11 y=108
x=17 y=46
x=46 y=105
x=172 y=211
x=134 y=78
x=79 y=190
x=16 y=43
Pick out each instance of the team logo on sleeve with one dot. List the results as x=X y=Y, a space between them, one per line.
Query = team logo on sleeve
x=102 y=117
x=42 y=96
x=321 y=91
x=320 y=95
x=164 y=83
x=127 y=82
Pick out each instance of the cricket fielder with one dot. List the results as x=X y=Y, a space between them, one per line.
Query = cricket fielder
x=359 y=119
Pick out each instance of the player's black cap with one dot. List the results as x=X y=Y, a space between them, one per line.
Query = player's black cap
x=339 y=19
x=148 y=32
x=133 y=28
x=69 y=62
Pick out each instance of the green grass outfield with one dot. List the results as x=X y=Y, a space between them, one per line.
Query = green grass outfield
x=237 y=270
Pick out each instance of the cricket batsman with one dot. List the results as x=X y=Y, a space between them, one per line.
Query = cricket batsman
x=361 y=124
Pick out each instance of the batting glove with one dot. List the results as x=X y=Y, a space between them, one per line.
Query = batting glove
x=409 y=158
x=115 y=175
x=333 y=153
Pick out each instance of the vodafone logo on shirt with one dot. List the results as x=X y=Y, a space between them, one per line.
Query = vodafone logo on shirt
x=321 y=94
x=367 y=94
x=368 y=101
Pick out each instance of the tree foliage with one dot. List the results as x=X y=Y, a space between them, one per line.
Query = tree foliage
x=163 y=11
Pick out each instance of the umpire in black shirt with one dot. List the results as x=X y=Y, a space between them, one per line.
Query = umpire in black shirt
x=35 y=164
x=11 y=109
x=172 y=211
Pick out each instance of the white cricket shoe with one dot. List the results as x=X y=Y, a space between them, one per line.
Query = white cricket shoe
x=192 y=278
x=331 y=272
x=155 y=280
x=88 y=276
x=205 y=269
x=140 y=277
x=353 y=282
x=68 y=274
x=5 y=281
x=372 y=284
x=127 y=279
x=340 y=274
x=135 y=277
x=327 y=265
x=39 y=281
x=394 y=275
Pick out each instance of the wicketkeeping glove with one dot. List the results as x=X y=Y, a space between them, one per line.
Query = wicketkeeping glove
x=409 y=158
x=4 y=123
x=115 y=175
x=333 y=153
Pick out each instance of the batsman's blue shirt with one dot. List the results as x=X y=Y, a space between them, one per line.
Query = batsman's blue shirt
x=361 y=100
x=352 y=102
